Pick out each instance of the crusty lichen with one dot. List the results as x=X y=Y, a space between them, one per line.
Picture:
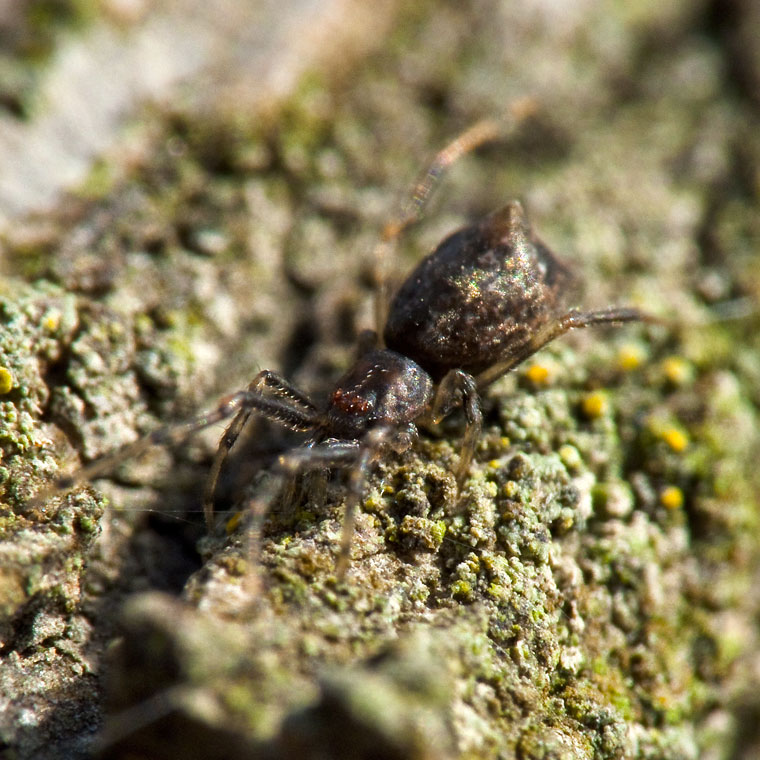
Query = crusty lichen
x=589 y=592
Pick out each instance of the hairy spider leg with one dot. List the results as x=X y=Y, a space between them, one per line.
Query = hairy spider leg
x=459 y=387
x=277 y=409
x=569 y=321
x=480 y=133
x=369 y=451
x=330 y=453
x=359 y=455
x=280 y=389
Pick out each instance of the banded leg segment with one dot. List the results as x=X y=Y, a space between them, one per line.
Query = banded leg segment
x=331 y=453
x=275 y=409
x=303 y=411
x=458 y=387
x=281 y=388
x=359 y=456
x=369 y=451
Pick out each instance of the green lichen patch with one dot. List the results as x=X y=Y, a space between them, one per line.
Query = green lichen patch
x=590 y=591
x=556 y=567
x=38 y=322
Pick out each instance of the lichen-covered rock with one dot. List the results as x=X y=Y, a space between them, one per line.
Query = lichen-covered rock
x=590 y=593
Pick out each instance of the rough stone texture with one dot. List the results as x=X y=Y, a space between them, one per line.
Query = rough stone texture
x=591 y=593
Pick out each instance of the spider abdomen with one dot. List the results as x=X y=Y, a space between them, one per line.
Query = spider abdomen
x=478 y=297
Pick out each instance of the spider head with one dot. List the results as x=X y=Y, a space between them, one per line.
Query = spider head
x=382 y=388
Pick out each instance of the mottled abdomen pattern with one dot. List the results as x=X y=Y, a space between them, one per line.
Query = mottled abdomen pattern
x=478 y=297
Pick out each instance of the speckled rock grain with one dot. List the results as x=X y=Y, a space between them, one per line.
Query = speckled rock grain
x=592 y=591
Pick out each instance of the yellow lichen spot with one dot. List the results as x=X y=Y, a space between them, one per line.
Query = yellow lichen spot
x=51 y=322
x=671 y=497
x=630 y=357
x=143 y=323
x=677 y=370
x=596 y=404
x=569 y=455
x=662 y=701
x=538 y=374
x=494 y=464
x=511 y=489
x=172 y=317
x=497 y=591
x=504 y=441
x=438 y=531
x=387 y=488
x=461 y=590
x=233 y=522
x=675 y=438
x=6 y=380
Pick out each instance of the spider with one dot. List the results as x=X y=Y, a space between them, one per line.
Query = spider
x=488 y=297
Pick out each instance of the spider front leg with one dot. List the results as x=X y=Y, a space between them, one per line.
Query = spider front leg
x=369 y=451
x=330 y=453
x=458 y=387
x=286 y=411
x=359 y=456
x=298 y=413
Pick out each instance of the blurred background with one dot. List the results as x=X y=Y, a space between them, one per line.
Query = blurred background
x=191 y=192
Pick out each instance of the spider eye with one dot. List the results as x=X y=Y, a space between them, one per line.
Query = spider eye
x=350 y=403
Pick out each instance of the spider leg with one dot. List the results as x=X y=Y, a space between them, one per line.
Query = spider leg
x=226 y=442
x=319 y=456
x=330 y=453
x=368 y=453
x=479 y=133
x=571 y=320
x=279 y=389
x=285 y=412
x=361 y=455
x=366 y=341
x=458 y=387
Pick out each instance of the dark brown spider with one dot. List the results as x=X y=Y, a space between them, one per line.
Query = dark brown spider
x=488 y=297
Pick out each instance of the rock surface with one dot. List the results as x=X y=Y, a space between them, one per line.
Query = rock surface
x=592 y=593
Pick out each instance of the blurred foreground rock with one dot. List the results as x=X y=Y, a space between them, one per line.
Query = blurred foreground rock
x=593 y=594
